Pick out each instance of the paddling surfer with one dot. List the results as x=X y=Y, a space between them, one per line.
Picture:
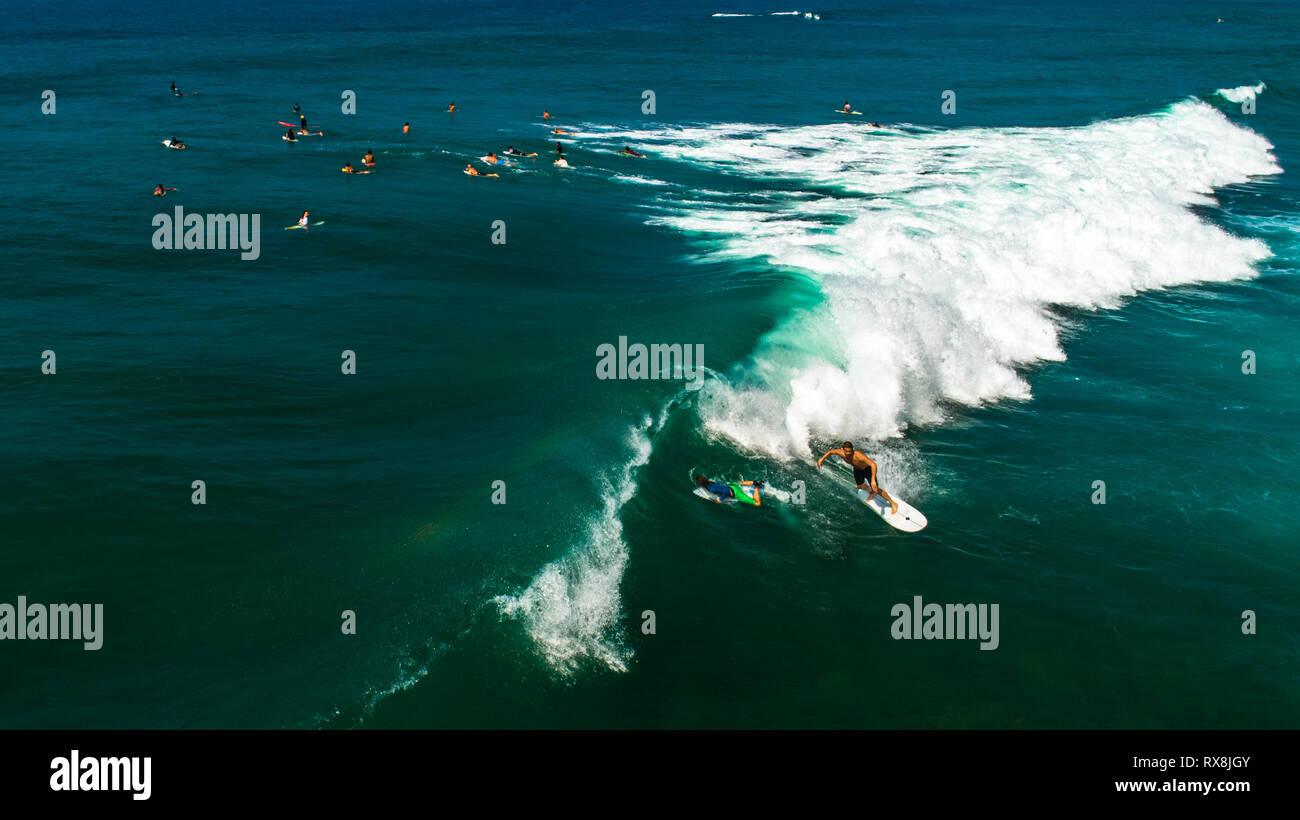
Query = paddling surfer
x=727 y=492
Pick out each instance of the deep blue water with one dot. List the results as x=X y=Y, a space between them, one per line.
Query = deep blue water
x=1051 y=286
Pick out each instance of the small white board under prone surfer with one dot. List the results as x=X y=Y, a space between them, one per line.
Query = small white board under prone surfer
x=907 y=519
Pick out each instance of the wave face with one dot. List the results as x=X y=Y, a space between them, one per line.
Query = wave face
x=938 y=254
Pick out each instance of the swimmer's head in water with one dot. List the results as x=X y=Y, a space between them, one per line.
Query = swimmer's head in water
x=702 y=481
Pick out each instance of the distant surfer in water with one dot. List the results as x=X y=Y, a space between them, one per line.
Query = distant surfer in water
x=348 y=169
x=302 y=121
x=451 y=109
x=305 y=221
x=369 y=158
x=515 y=152
x=491 y=158
x=406 y=128
x=848 y=109
x=297 y=109
x=289 y=137
x=727 y=492
x=161 y=191
x=558 y=131
x=175 y=90
x=864 y=471
x=474 y=172
x=175 y=143
x=628 y=152
x=546 y=115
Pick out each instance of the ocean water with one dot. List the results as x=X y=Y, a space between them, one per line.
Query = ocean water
x=1051 y=286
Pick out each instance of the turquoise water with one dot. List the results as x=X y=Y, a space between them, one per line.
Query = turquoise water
x=1050 y=287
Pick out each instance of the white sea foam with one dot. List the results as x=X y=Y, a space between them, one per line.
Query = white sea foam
x=939 y=255
x=573 y=609
x=1241 y=93
x=634 y=179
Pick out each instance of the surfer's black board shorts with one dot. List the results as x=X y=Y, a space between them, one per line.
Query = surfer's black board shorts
x=860 y=476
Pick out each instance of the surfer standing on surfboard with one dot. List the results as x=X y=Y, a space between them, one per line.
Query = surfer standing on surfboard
x=864 y=471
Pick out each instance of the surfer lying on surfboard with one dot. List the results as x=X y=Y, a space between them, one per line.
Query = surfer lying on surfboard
x=474 y=172
x=864 y=471
x=628 y=152
x=736 y=491
x=512 y=151
x=161 y=191
x=348 y=169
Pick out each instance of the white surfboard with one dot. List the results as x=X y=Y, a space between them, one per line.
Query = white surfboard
x=907 y=519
